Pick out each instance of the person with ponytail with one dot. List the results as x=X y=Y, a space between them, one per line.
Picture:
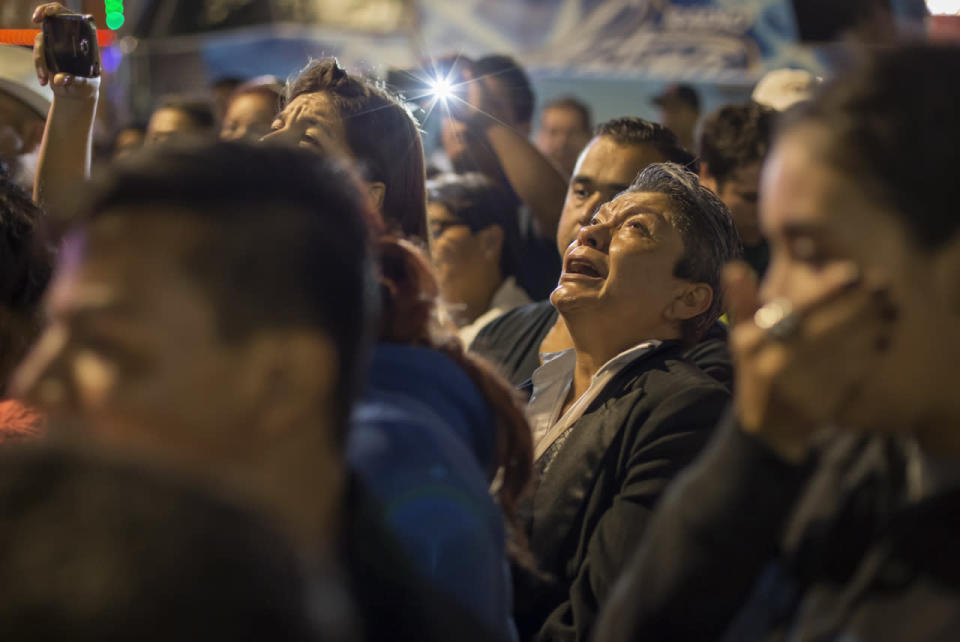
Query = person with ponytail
x=435 y=429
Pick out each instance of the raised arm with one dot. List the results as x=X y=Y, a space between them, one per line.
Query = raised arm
x=535 y=180
x=65 y=152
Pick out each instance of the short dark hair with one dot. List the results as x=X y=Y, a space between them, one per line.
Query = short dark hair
x=26 y=264
x=892 y=123
x=288 y=242
x=475 y=200
x=515 y=78
x=735 y=136
x=710 y=239
x=96 y=549
x=630 y=130
x=382 y=134
x=200 y=112
x=573 y=104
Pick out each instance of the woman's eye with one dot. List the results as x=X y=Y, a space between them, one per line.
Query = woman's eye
x=579 y=192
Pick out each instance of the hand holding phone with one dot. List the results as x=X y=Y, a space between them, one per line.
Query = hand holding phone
x=70 y=45
x=66 y=44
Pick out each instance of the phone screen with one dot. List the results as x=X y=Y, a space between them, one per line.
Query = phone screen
x=70 y=42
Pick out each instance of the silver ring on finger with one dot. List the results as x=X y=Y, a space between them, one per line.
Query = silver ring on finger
x=777 y=319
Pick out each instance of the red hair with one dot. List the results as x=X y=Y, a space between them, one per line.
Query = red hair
x=409 y=290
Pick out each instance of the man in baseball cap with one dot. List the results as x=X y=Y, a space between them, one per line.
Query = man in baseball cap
x=780 y=89
x=23 y=110
x=679 y=112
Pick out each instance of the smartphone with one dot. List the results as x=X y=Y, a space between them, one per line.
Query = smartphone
x=70 y=45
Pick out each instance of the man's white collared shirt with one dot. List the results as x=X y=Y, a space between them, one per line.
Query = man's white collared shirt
x=551 y=385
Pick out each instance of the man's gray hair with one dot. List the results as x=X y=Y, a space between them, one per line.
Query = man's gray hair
x=709 y=236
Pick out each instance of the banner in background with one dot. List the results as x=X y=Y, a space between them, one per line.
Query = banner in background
x=702 y=40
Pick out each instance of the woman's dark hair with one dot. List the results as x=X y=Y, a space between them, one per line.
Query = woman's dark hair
x=26 y=264
x=410 y=293
x=474 y=200
x=381 y=133
x=893 y=124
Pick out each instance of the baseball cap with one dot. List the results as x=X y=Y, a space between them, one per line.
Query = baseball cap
x=18 y=78
x=681 y=93
x=783 y=88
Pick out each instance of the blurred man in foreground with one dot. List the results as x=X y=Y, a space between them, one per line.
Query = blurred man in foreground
x=212 y=311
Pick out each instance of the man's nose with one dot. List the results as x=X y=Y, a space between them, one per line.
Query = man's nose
x=596 y=236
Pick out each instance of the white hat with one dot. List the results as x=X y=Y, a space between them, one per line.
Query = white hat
x=783 y=88
x=18 y=78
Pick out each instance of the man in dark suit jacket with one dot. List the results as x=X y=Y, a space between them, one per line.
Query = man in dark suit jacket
x=621 y=148
x=616 y=416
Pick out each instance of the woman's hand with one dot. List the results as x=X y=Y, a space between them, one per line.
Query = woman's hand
x=798 y=375
x=63 y=85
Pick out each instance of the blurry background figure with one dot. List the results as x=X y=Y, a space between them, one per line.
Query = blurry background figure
x=565 y=129
x=488 y=131
x=179 y=116
x=679 y=112
x=251 y=109
x=25 y=268
x=220 y=92
x=734 y=142
x=23 y=109
x=128 y=140
x=780 y=89
x=510 y=99
x=474 y=244
x=144 y=556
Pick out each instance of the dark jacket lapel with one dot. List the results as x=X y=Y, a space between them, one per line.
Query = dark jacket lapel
x=566 y=484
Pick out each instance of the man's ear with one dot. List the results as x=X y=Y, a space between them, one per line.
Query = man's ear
x=377 y=192
x=491 y=241
x=691 y=300
x=290 y=374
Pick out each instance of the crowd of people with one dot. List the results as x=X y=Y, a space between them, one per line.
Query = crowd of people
x=272 y=373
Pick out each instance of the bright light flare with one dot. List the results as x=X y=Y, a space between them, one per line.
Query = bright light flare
x=944 y=7
x=441 y=89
